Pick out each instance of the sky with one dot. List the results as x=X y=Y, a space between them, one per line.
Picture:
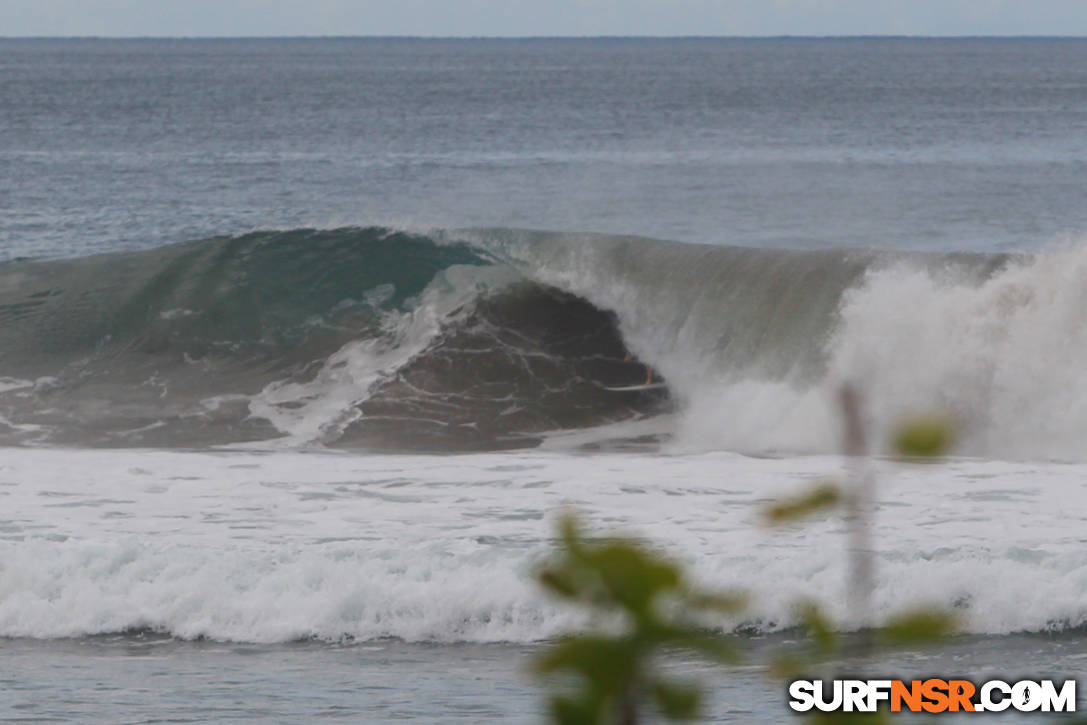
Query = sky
x=120 y=18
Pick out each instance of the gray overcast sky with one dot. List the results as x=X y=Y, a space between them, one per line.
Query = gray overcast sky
x=542 y=17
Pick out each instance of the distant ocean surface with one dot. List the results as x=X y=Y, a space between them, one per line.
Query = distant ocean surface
x=304 y=343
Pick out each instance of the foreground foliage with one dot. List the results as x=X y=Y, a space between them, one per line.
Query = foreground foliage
x=649 y=609
x=643 y=606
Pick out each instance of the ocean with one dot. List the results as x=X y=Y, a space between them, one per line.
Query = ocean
x=305 y=344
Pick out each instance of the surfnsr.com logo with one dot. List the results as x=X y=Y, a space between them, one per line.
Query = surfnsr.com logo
x=932 y=695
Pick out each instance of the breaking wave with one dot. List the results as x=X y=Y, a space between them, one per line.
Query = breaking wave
x=496 y=338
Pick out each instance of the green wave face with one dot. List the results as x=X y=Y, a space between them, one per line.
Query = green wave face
x=362 y=337
x=263 y=294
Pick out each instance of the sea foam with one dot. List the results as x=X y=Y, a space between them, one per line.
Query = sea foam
x=281 y=546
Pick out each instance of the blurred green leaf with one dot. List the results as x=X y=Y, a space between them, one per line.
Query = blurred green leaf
x=660 y=611
x=569 y=711
x=677 y=701
x=607 y=663
x=607 y=572
x=819 y=497
x=818 y=626
x=560 y=582
x=918 y=626
x=787 y=666
x=719 y=602
x=632 y=575
x=924 y=437
x=568 y=531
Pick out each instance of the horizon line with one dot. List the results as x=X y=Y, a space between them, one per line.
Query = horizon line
x=783 y=36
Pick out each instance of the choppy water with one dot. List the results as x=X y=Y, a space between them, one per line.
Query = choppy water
x=927 y=144
x=292 y=396
x=153 y=679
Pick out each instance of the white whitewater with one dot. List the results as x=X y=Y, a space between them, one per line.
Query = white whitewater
x=751 y=341
x=273 y=547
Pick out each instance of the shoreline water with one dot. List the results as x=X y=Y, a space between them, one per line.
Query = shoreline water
x=141 y=678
